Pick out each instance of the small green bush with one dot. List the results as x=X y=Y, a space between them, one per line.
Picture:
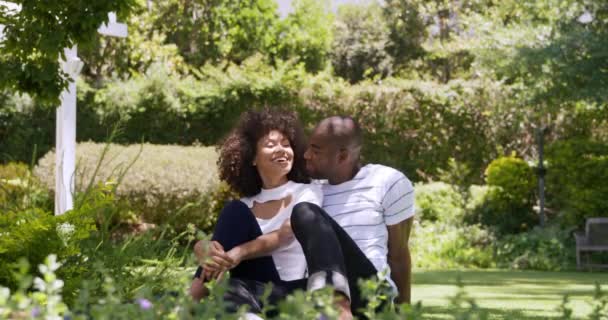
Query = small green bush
x=550 y=248
x=576 y=180
x=34 y=233
x=438 y=201
x=19 y=189
x=445 y=245
x=506 y=204
x=514 y=176
x=173 y=185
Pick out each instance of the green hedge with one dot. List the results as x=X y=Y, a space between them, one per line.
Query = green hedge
x=577 y=178
x=173 y=185
x=414 y=126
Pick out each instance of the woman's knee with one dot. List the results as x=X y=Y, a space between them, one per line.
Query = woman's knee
x=234 y=209
x=234 y=225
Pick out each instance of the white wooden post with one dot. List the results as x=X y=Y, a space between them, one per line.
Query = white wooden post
x=65 y=139
x=65 y=135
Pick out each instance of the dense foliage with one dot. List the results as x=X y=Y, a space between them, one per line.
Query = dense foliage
x=37 y=33
x=450 y=91
x=576 y=179
x=103 y=272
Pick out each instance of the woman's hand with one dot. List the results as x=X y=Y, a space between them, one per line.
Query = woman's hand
x=285 y=233
x=213 y=258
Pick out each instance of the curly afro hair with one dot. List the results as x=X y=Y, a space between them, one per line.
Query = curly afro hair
x=239 y=148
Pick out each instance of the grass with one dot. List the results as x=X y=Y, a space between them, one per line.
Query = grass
x=517 y=294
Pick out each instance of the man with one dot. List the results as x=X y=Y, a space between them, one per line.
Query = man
x=364 y=224
x=371 y=206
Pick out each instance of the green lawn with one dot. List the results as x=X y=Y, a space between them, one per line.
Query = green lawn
x=518 y=294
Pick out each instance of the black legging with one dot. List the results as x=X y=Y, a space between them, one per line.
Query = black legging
x=331 y=254
x=237 y=225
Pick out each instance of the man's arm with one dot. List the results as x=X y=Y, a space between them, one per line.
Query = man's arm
x=399 y=258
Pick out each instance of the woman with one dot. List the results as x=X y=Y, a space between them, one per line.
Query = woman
x=262 y=160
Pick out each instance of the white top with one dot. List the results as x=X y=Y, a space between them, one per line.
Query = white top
x=377 y=197
x=288 y=259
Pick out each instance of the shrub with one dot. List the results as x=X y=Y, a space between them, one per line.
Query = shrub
x=161 y=107
x=514 y=177
x=576 y=180
x=438 y=201
x=165 y=108
x=444 y=245
x=506 y=204
x=549 y=248
x=164 y=184
x=25 y=128
x=19 y=189
x=34 y=233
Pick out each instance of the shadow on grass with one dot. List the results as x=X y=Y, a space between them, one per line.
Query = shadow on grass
x=508 y=278
x=434 y=312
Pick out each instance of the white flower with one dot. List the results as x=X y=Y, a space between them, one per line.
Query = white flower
x=65 y=232
x=5 y=293
x=585 y=18
x=39 y=284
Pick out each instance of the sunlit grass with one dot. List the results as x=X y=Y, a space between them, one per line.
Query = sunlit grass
x=518 y=294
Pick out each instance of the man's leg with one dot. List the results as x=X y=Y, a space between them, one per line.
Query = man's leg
x=333 y=257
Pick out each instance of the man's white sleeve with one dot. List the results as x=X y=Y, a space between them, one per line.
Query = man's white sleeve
x=398 y=199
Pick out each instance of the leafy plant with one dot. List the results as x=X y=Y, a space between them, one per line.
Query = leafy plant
x=550 y=248
x=506 y=205
x=439 y=202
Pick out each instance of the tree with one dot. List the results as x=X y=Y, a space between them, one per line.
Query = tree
x=305 y=34
x=122 y=58
x=360 y=43
x=551 y=51
x=37 y=35
x=216 y=30
x=407 y=30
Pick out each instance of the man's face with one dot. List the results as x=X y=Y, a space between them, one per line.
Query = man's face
x=321 y=158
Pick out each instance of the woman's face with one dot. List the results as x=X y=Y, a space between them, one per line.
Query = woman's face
x=274 y=156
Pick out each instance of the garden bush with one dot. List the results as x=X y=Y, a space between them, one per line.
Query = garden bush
x=26 y=130
x=447 y=246
x=162 y=107
x=84 y=238
x=514 y=177
x=33 y=233
x=20 y=189
x=576 y=180
x=173 y=185
x=438 y=201
x=506 y=204
x=550 y=248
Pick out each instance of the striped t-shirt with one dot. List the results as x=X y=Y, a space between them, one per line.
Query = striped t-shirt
x=377 y=197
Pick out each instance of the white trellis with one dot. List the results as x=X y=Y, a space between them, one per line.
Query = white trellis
x=65 y=135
